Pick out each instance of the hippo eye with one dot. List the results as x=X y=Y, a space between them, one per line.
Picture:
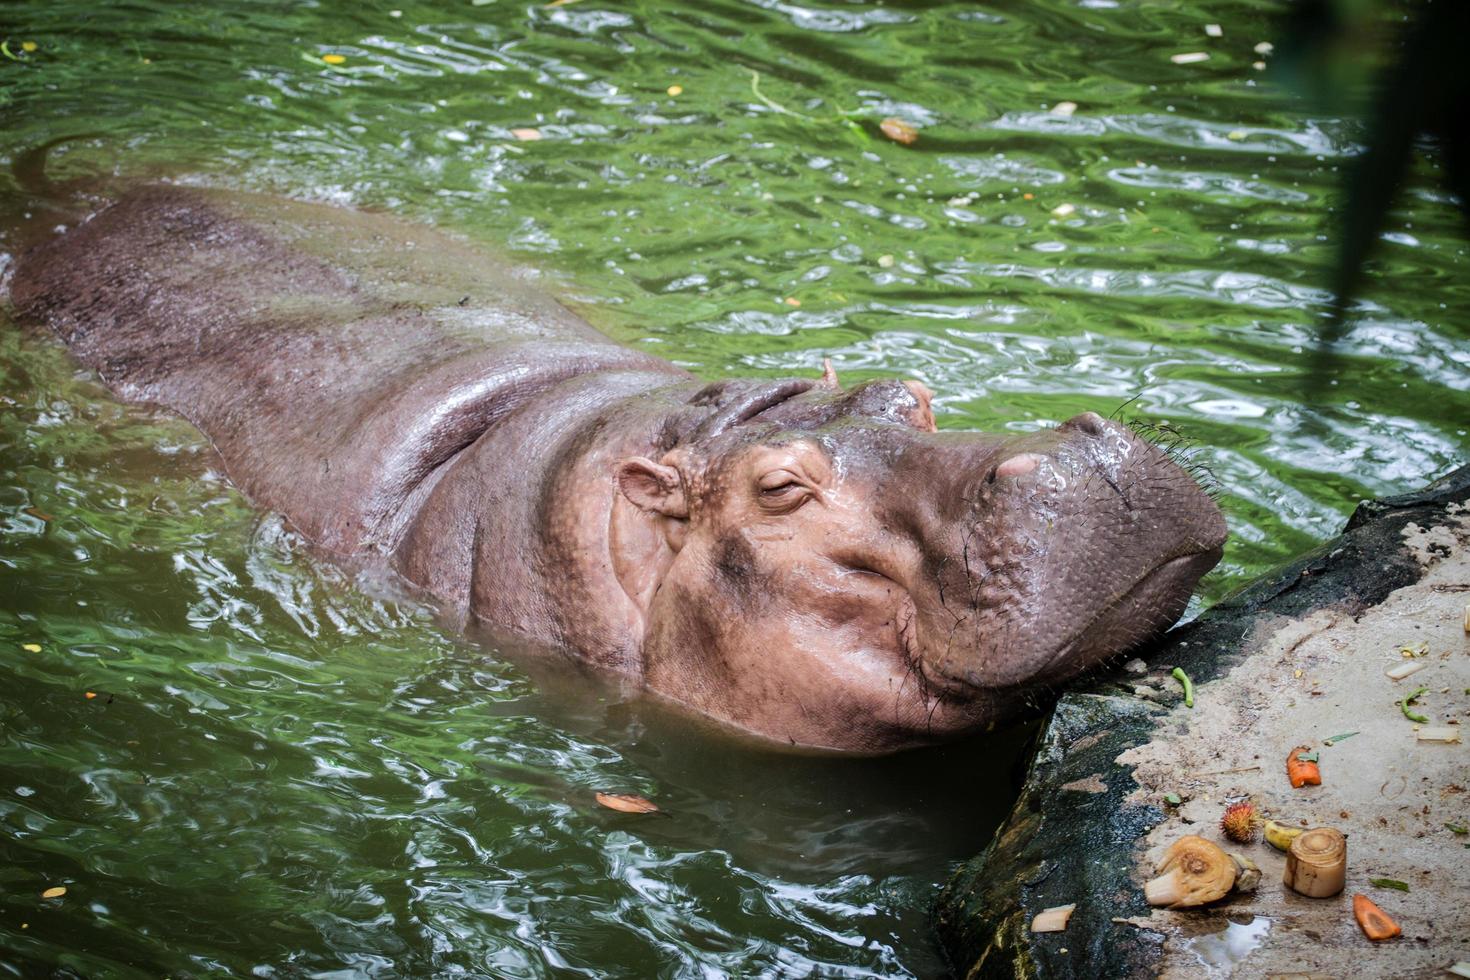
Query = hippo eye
x=781 y=489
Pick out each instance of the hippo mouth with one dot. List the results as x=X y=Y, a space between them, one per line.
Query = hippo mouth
x=1148 y=606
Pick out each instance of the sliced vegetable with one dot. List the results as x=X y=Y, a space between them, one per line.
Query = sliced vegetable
x=1404 y=669
x=1194 y=871
x=1053 y=919
x=1179 y=675
x=1302 y=769
x=1374 y=922
x=1408 y=700
x=1316 y=864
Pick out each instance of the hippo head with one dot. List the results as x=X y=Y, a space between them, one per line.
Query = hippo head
x=835 y=572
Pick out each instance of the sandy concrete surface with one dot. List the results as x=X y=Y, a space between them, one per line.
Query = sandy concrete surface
x=1311 y=678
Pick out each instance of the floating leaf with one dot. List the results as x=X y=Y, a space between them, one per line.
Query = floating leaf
x=1393 y=883
x=676 y=90
x=334 y=59
x=1189 y=57
x=28 y=46
x=899 y=131
x=626 y=803
x=526 y=134
x=31 y=647
x=56 y=892
x=39 y=514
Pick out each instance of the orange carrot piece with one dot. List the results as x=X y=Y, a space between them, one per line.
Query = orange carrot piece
x=1300 y=771
x=1374 y=922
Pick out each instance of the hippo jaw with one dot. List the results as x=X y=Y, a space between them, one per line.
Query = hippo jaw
x=834 y=573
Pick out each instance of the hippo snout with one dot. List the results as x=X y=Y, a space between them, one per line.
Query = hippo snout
x=1078 y=543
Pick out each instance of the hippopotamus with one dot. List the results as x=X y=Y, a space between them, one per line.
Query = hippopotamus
x=810 y=564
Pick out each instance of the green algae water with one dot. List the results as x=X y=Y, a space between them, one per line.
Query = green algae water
x=240 y=762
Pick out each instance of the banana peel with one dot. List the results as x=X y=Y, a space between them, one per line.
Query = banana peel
x=1279 y=835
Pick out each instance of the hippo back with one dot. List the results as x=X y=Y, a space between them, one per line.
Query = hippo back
x=372 y=351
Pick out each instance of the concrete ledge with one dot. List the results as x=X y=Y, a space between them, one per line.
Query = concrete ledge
x=1293 y=658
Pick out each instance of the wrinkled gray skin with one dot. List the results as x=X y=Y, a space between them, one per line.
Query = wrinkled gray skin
x=813 y=565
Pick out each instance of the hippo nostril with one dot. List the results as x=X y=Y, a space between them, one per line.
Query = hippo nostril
x=1018 y=465
x=1090 y=422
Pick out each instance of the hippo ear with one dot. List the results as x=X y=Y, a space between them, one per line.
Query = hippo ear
x=653 y=487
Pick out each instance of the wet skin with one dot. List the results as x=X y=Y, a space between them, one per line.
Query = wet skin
x=815 y=566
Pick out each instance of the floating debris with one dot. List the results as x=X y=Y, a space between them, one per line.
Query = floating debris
x=885 y=261
x=1064 y=210
x=1053 y=919
x=1264 y=48
x=1189 y=57
x=526 y=134
x=1214 y=30
x=1316 y=863
x=55 y=892
x=1064 y=109
x=626 y=803
x=31 y=647
x=791 y=301
x=334 y=59
x=675 y=90
x=899 y=131
x=1374 y=922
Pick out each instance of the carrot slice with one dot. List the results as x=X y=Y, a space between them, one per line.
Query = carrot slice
x=1303 y=772
x=1374 y=922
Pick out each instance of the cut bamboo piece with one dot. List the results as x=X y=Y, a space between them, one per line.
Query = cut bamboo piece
x=1053 y=919
x=1405 y=668
x=1316 y=864
x=1194 y=871
x=1439 y=733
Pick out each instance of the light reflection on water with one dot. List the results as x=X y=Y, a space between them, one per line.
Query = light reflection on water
x=288 y=775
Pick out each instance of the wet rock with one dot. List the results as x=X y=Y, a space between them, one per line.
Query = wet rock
x=1061 y=845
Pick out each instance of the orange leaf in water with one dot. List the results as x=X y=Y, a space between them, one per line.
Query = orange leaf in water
x=899 y=131
x=626 y=803
x=56 y=892
x=39 y=514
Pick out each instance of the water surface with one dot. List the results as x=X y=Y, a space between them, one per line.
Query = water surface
x=283 y=774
